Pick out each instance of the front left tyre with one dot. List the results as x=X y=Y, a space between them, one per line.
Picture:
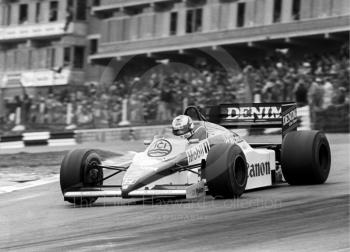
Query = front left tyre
x=79 y=169
x=226 y=171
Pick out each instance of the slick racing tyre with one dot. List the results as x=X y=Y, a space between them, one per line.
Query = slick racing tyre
x=79 y=169
x=305 y=157
x=226 y=171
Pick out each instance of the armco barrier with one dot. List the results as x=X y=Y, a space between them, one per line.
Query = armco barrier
x=334 y=119
x=38 y=139
x=125 y=133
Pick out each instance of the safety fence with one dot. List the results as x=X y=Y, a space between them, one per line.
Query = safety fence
x=38 y=139
x=333 y=119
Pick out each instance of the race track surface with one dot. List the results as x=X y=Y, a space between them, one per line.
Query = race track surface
x=284 y=218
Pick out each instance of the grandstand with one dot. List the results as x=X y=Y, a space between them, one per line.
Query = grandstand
x=246 y=29
x=230 y=34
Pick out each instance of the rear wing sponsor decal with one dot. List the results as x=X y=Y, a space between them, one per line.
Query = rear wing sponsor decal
x=289 y=119
x=255 y=115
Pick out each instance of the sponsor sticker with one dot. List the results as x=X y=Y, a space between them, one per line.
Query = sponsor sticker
x=290 y=118
x=159 y=148
x=198 y=152
x=127 y=181
x=195 y=191
x=253 y=113
x=259 y=169
x=233 y=139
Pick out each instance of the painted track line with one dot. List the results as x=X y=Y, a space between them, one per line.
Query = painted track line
x=121 y=161
x=21 y=186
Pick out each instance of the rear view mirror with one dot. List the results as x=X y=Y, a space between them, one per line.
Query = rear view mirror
x=194 y=141
x=147 y=142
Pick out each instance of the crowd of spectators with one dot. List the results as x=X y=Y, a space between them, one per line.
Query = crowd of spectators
x=163 y=91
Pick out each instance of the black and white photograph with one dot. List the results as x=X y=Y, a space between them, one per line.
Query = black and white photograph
x=175 y=125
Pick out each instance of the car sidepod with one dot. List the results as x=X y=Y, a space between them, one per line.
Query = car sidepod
x=261 y=165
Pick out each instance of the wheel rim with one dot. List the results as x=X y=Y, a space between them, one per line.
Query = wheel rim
x=93 y=175
x=240 y=171
x=323 y=157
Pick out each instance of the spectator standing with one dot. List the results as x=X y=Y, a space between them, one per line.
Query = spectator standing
x=339 y=96
x=41 y=109
x=18 y=112
x=328 y=93
x=166 y=98
x=49 y=108
x=300 y=93
x=267 y=91
x=26 y=105
x=2 y=109
x=69 y=18
x=315 y=96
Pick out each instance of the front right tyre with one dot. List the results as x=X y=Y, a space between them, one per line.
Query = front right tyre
x=79 y=169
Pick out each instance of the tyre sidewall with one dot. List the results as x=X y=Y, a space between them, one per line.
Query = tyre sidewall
x=301 y=157
x=220 y=171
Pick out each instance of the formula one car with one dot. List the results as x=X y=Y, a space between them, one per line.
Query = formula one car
x=223 y=164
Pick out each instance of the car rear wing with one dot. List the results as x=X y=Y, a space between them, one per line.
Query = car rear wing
x=255 y=115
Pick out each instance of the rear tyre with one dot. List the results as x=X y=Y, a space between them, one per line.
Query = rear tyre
x=79 y=168
x=305 y=157
x=226 y=171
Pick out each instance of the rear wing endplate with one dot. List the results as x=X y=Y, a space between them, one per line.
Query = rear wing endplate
x=255 y=115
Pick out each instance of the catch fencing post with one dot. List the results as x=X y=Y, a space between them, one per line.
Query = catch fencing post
x=124 y=121
x=69 y=114
x=18 y=116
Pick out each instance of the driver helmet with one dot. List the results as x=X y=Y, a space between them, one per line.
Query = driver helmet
x=183 y=126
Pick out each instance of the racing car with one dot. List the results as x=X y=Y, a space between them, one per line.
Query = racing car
x=222 y=164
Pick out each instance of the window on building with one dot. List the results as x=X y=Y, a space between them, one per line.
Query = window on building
x=96 y=3
x=8 y=16
x=53 y=11
x=198 y=20
x=189 y=18
x=173 y=23
x=2 y=61
x=14 y=60
x=296 y=10
x=66 y=56
x=194 y=20
x=50 y=57
x=37 y=12
x=9 y=10
x=23 y=13
x=240 y=14
x=277 y=11
x=3 y=20
x=78 y=60
x=81 y=10
x=70 y=4
x=30 y=59
x=93 y=46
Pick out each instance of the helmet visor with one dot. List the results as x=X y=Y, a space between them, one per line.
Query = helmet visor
x=180 y=132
